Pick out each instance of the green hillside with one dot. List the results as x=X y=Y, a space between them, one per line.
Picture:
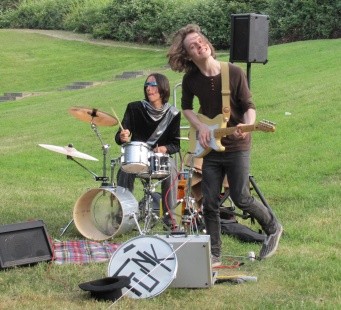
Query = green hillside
x=297 y=167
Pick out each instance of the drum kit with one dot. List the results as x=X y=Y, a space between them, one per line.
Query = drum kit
x=110 y=211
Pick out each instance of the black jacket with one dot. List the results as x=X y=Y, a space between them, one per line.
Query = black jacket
x=142 y=126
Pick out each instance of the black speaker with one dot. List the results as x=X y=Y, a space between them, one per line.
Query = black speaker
x=24 y=244
x=249 y=38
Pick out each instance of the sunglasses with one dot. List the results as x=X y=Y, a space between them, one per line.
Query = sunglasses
x=150 y=84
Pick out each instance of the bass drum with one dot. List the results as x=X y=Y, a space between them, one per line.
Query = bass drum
x=105 y=212
x=149 y=261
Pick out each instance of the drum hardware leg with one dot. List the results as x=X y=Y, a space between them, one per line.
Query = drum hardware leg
x=137 y=223
x=149 y=214
x=64 y=229
x=147 y=209
x=191 y=218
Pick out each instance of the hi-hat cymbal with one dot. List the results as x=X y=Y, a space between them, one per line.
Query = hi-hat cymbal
x=94 y=116
x=67 y=150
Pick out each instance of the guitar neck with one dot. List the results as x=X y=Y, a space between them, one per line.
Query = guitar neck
x=222 y=132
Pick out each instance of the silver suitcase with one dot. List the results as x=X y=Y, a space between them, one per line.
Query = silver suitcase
x=194 y=260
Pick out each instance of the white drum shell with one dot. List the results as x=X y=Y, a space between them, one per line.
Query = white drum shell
x=135 y=157
x=105 y=212
x=159 y=166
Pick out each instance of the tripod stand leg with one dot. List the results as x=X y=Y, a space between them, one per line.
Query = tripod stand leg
x=260 y=195
x=137 y=224
x=63 y=230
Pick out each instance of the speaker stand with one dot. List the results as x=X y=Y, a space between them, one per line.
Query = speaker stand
x=248 y=74
x=260 y=195
x=232 y=206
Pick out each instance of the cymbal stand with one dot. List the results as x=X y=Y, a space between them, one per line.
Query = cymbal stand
x=104 y=179
x=78 y=163
x=65 y=228
x=105 y=149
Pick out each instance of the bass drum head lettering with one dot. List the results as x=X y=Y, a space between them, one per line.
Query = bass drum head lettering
x=148 y=261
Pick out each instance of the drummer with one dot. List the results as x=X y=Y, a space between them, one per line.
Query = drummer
x=155 y=122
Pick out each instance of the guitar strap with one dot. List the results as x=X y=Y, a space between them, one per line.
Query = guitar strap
x=225 y=90
x=162 y=125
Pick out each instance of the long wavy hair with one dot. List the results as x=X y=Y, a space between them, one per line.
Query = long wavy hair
x=177 y=55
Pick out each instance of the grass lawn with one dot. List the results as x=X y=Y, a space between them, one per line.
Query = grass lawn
x=297 y=168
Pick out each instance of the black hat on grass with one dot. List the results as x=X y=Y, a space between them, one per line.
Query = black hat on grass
x=109 y=288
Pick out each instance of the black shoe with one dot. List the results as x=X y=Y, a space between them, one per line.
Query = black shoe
x=270 y=243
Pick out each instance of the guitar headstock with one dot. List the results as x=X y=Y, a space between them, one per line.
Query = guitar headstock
x=266 y=126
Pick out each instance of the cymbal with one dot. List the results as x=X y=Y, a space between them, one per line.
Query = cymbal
x=67 y=150
x=94 y=116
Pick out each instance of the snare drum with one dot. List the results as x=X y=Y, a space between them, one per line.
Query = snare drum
x=135 y=157
x=149 y=261
x=105 y=212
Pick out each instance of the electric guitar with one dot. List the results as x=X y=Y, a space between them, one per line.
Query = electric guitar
x=217 y=132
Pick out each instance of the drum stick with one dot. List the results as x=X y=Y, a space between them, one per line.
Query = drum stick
x=119 y=123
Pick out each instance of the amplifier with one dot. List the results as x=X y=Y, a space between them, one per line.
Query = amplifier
x=24 y=244
x=194 y=260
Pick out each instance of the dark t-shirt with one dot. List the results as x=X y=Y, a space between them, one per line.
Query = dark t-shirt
x=208 y=91
x=142 y=126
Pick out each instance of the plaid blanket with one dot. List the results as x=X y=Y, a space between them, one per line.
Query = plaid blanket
x=82 y=251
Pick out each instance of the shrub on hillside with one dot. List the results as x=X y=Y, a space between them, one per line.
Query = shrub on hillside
x=40 y=14
x=304 y=20
x=137 y=21
x=8 y=4
x=85 y=16
x=154 y=21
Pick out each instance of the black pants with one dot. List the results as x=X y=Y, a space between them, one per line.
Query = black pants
x=236 y=165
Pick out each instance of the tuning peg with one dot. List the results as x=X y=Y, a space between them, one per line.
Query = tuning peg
x=268 y=122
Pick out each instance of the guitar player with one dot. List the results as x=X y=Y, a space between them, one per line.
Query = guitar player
x=192 y=53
